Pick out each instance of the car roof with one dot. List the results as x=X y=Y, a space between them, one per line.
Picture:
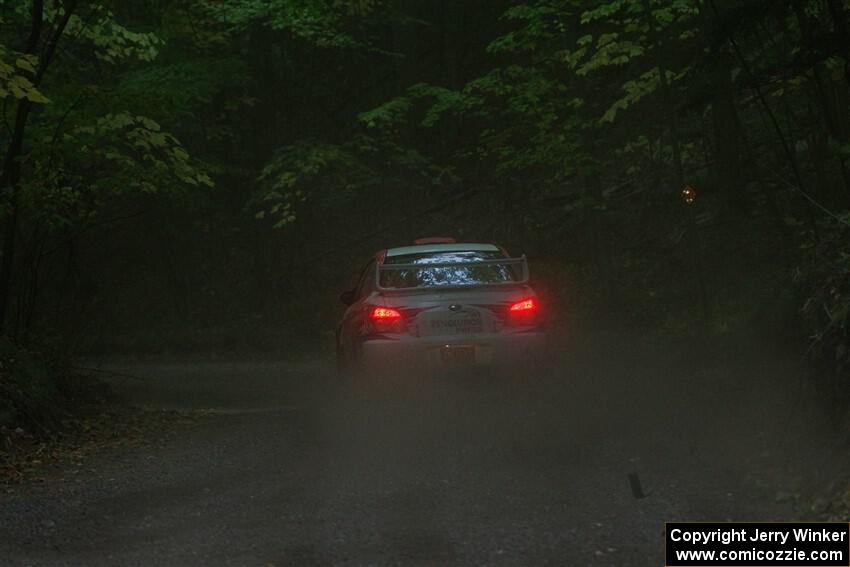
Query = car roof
x=454 y=247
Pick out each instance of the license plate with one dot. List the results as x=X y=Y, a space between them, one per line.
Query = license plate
x=465 y=323
x=458 y=355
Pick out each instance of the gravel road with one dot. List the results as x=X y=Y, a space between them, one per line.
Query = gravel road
x=292 y=469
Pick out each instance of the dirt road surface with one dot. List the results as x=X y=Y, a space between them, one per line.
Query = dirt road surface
x=290 y=468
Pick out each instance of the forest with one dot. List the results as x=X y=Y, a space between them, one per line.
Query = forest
x=204 y=177
x=198 y=174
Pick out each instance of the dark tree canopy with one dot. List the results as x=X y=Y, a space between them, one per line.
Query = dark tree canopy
x=190 y=169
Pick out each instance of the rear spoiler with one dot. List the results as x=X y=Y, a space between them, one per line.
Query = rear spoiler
x=521 y=262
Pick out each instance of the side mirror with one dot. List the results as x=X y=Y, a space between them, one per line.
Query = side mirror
x=347 y=297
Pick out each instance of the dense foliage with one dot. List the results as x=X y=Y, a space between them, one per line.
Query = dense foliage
x=182 y=172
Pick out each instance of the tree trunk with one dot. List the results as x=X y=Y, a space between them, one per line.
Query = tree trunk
x=727 y=139
x=10 y=178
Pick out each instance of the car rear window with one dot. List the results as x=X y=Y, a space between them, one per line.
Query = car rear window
x=461 y=274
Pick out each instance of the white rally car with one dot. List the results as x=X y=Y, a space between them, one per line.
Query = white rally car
x=439 y=304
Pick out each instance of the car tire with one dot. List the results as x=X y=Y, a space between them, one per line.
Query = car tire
x=341 y=363
x=352 y=375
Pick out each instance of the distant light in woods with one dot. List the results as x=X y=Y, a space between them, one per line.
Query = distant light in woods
x=689 y=195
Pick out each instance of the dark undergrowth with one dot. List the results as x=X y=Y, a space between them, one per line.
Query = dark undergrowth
x=53 y=415
x=40 y=387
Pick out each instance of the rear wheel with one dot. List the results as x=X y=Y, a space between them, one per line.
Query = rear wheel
x=349 y=370
x=353 y=374
x=341 y=361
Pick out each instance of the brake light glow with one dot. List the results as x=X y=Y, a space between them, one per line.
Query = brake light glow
x=384 y=320
x=384 y=314
x=435 y=240
x=524 y=306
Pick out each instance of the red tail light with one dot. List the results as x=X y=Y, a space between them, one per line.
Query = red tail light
x=384 y=314
x=523 y=313
x=384 y=320
x=525 y=306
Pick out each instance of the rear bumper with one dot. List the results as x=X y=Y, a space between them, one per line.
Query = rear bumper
x=503 y=350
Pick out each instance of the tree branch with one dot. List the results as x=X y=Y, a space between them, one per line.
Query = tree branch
x=50 y=50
